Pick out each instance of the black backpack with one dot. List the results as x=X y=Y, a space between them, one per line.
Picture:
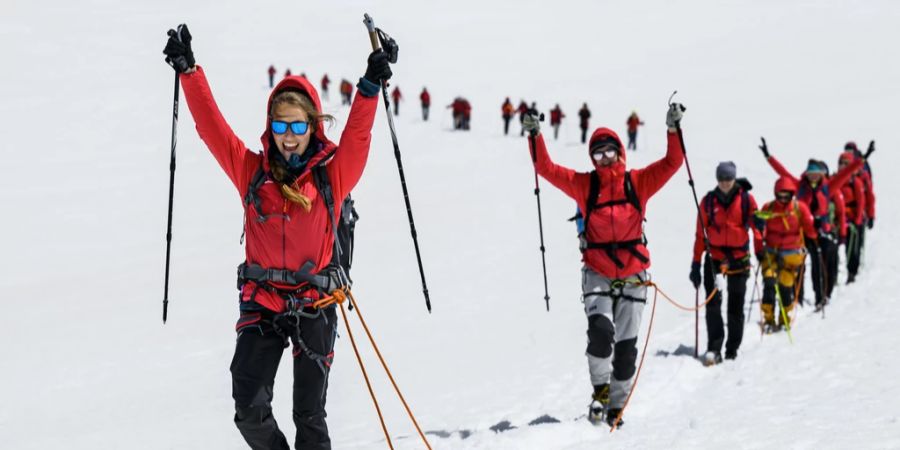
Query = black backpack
x=344 y=226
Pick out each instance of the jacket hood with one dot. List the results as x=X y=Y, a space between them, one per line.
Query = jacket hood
x=319 y=141
x=605 y=133
x=785 y=184
x=848 y=157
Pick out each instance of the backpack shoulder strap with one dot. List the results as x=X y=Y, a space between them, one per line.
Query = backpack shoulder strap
x=323 y=185
x=593 y=192
x=252 y=197
x=745 y=208
x=630 y=195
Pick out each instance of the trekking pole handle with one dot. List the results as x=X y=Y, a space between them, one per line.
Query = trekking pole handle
x=373 y=35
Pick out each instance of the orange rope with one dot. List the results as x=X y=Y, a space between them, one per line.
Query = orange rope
x=641 y=365
x=676 y=304
x=366 y=376
x=386 y=370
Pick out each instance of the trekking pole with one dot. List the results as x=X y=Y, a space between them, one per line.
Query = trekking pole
x=823 y=279
x=753 y=294
x=171 y=196
x=687 y=164
x=537 y=193
x=379 y=39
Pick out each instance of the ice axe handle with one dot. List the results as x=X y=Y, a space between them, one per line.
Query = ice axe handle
x=373 y=35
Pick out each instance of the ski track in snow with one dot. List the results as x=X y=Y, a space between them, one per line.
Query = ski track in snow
x=88 y=365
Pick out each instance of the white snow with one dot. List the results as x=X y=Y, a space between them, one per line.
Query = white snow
x=85 y=120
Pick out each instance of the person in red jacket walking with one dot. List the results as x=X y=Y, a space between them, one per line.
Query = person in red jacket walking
x=325 y=83
x=814 y=191
x=271 y=76
x=725 y=213
x=615 y=256
x=507 y=110
x=786 y=225
x=633 y=123
x=290 y=261
x=521 y=110
x=858 y=206
x=346 y=92
x=425 y=99
x=556 y=117
x=397 y=96
x=584 y=117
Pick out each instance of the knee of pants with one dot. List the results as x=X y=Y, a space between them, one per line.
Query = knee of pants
x=626 y=355
x=786 y=277
x=252 y=415
x=601 y=333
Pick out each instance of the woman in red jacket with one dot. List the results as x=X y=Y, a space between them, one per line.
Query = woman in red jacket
x=613 y=250
x=291 y=256
x=725 y=213
x=787 y=225
x=859 y=202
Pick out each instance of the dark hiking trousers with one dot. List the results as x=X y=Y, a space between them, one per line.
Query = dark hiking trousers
x=737 y=290
x=256 y=357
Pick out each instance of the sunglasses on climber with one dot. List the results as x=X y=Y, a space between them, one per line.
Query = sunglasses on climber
x=280 y=127
x=784 y=195
x=608 y=148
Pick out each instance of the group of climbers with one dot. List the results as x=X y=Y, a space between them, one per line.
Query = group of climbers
x=810 y=217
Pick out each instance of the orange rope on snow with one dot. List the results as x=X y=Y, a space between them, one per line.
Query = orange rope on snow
x=641 y=364
x=386 y=370
x=676 y=304
x=366 y=376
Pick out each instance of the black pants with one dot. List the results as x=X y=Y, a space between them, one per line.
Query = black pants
x=855 y=243
x=822 y=279
x=424 y=113
x=506 y=120
x=737 y=290
x=256 y=357
x=556 y=131
x=632 y=140
x=583 y=135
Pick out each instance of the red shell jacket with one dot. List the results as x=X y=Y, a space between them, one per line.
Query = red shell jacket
x=633 y=122
x=815 y=196
x=869 y=191
x=789 y=225
x=622 y=222
x=425 y=97
x=728 y=232
x=325 y=82
x=290 y=236
x=840 y=212
x=396 y=95
x=556 y=116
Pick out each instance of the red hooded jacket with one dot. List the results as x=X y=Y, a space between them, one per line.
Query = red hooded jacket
x=728 y=230
x=556 y=116
x=622 y=222
x=788 y=225
x=290 y=236
x=425 y=97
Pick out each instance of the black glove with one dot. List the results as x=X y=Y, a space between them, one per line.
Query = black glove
x=870 y=150
x=871 y=223
x=379 y=68
x=695 y=274
x=764 y=148
x=178 y=49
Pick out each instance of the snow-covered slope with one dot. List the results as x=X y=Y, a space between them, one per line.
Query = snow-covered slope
x=85 y=119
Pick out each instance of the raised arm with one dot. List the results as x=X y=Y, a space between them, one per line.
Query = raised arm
x=230 y=152
x=780 y=169
x=353 y=149
x=572 y=183
x=839 y=179
x=649 y=180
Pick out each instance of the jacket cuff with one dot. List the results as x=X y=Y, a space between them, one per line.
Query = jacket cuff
x=367 y=88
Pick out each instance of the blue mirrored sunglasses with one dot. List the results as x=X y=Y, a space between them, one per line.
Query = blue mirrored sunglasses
x=279 y=127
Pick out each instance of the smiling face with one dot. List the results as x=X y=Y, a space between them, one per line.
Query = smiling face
x=289 y=143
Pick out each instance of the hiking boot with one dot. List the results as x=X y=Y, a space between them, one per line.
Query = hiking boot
x=851 y=278
x=711 y=358
x=599 y=403
x=730 y=354
x=612 y=415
